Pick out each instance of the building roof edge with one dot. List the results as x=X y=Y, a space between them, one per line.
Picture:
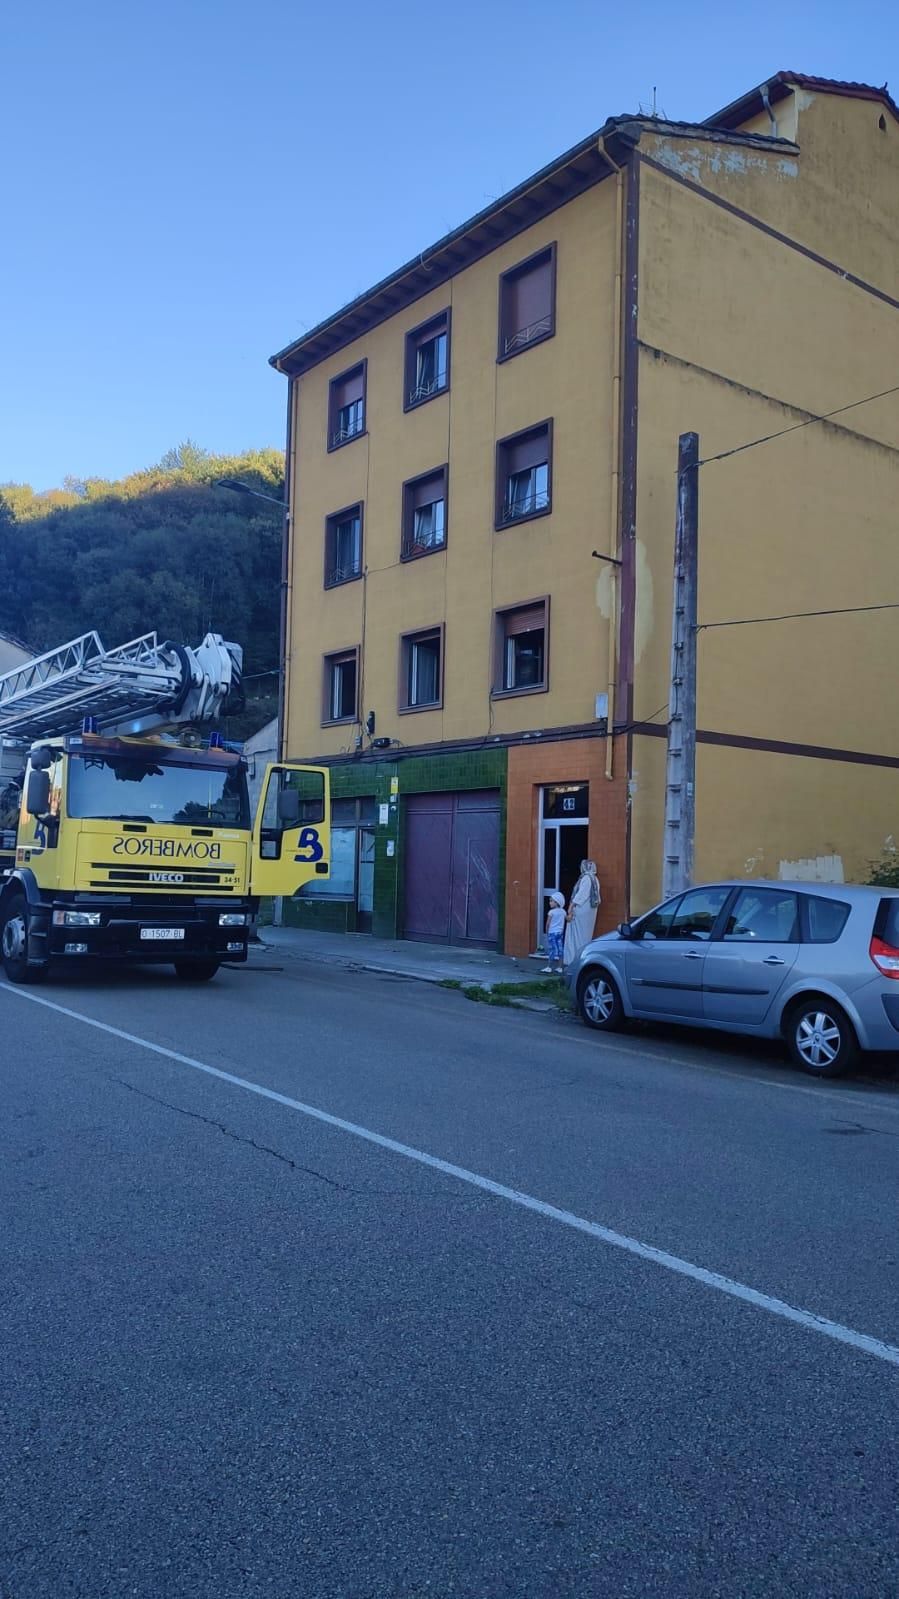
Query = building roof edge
x=781 y=84
x=536 y=197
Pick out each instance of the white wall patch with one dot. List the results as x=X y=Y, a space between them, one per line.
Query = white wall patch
x=816 y=869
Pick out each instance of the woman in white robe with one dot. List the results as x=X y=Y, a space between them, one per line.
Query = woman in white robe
x=582 y=908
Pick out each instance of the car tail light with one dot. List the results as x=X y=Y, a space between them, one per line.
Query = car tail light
x=885 y=957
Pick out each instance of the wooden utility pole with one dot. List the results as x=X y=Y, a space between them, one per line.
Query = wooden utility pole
x=680 y=767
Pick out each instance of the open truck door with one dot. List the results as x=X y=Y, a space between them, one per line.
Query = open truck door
x=292 y=831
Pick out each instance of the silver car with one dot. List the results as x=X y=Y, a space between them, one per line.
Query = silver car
x=814 y=964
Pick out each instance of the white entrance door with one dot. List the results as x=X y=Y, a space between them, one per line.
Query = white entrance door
x=562 y=844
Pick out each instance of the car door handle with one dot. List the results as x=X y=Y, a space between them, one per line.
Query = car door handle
x=773 y=960
x=692 y=955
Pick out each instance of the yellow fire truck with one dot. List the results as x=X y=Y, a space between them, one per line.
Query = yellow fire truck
x=124 y=836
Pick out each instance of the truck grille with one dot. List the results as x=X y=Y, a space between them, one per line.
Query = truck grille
x=221 y=878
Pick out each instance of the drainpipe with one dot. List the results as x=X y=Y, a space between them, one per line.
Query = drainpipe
x=285 y=618
x=766 y=102
x=286 y=571
x=615 y=476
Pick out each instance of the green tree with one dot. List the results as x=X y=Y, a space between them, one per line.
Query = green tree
x=885 y=872
x=162 y=549
x=190 y=460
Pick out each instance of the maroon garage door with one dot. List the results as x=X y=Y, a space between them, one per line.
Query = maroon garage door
x=452 y=867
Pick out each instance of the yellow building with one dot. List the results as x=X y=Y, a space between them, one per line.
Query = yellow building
x=466 y=435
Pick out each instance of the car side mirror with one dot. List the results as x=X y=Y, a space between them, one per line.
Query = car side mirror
x=37 y=793
x=288 y=807
x=625 y=930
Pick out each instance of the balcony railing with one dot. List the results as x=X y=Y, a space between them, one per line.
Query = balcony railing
x=422 y=543
x=524 y=505
x=342 y=574
x=525 y=336
x=425 y=530
x=350 y=422
x=424 y=389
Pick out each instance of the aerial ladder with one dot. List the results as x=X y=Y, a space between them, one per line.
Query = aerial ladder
x=125 y=831
x=139 y=686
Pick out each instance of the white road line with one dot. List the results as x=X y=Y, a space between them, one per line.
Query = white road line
x=632 y=1246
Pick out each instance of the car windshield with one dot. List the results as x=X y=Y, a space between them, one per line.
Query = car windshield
x=150 y=788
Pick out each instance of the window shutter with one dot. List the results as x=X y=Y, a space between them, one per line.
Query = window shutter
x=427 y=490
x=532 y=449
x=348 y=389
x=529 y=297
x=433 y=330
x=527 y=620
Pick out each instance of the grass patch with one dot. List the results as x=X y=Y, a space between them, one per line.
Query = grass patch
x=485 y=996
x=551 y=989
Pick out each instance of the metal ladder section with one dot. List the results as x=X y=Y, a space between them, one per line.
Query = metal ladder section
x=50 y=695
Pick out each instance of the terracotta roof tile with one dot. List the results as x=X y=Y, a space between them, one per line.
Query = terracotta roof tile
x=779 y=86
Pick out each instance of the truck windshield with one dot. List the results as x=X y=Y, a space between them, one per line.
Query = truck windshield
x=128 y=788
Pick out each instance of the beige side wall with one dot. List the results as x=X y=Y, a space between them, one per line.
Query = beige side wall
x=11 y=655
x=839 y=197
x=760 y=814
x=567 y=378
x=808 y=521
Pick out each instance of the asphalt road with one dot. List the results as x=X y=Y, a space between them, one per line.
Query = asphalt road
x=246 y=1351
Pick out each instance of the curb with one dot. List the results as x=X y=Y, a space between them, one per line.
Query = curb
x=349 y=963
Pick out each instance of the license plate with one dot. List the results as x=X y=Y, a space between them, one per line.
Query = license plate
x=162 y=932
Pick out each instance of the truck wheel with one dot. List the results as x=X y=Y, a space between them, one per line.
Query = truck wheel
x=196 y=971
x=14 y=942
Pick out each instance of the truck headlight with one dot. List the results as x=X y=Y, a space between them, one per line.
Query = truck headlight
x=76 y=918
x=233 y=919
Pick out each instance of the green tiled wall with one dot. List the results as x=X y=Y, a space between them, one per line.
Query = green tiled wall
x=420 y=774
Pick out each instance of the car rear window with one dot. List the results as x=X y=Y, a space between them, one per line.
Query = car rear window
x=826 y=918
x=887 y=923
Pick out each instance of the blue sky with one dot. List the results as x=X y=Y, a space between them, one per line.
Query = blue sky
x=189 y=185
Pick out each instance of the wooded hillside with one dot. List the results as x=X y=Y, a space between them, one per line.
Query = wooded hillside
x=164 y=549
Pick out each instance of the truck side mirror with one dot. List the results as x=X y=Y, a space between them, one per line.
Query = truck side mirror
x=288 y=807
x=37 y=793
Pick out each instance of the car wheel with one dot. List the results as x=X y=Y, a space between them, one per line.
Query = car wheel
x=820 y=1038
x=196 y=971
x=14 y=942
x=598 y=1001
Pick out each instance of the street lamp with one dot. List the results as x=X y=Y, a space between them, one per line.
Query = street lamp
x=236 y=487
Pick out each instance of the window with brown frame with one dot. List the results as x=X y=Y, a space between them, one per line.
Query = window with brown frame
x=524 y=475
x=421 y=670
x=343 y=546
x=527 y=303
x=340 y=687
x=346 y=406
x=521 y=649
x=424 y=514
x=427 y=361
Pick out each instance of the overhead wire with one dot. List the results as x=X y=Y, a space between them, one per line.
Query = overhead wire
x=795 y=426
x=640 y=721
x=795 y=616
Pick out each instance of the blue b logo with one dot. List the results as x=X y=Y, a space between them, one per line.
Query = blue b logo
x=309 y=845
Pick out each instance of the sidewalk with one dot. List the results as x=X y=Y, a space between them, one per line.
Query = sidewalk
x=430 y=963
